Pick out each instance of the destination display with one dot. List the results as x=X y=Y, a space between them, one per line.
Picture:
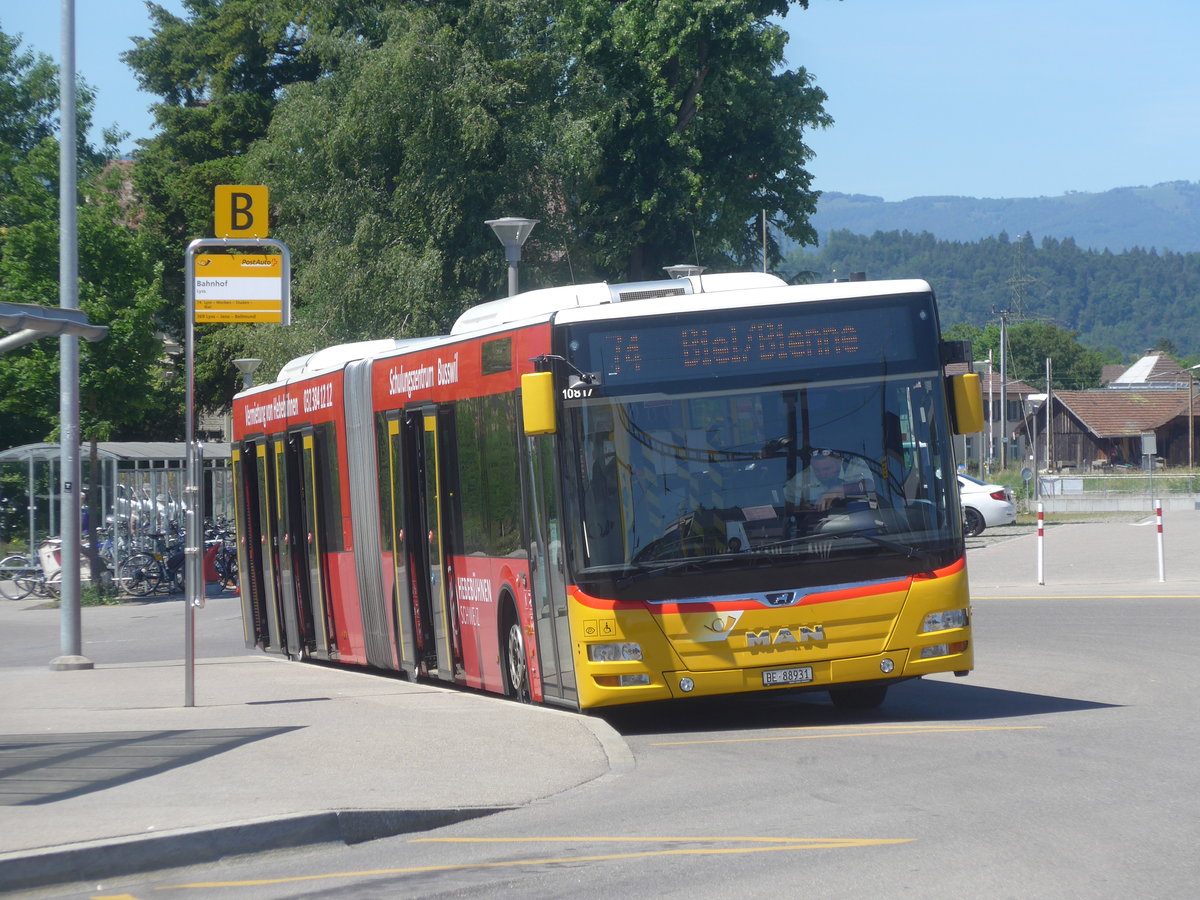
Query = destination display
x=791 y=339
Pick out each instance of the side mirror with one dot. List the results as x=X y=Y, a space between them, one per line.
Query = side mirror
x=966 y=403
x=537 y=403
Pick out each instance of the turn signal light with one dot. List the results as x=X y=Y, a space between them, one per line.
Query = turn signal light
x=936 y=650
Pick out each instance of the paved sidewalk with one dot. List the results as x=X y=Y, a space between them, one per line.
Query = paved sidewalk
x=103 y=772
x=1115 y=556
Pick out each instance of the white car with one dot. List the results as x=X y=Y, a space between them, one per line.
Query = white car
x=984 y=505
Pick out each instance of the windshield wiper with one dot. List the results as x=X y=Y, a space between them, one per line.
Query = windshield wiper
x=646 y=569
x=921 y=555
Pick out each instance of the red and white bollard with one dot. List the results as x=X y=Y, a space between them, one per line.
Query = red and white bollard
x=1162 y=562
x=1041 y=553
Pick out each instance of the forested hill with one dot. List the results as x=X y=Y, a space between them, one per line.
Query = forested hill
x=1132 y=301
x=1165 y=216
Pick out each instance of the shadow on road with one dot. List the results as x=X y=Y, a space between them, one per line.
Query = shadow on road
x=910 y=701
x=42 y=768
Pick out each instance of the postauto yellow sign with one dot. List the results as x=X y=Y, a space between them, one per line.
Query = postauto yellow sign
x=242 y=289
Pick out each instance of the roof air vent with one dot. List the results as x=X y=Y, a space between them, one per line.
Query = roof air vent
x=651 y=293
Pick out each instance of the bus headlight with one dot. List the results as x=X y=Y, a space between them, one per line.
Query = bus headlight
x=622 y=652
x=945 y=619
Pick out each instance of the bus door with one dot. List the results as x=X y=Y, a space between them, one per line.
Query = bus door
x=254 y=576
x=266 y=572
x=303 y=542
x=547 y=573
x=315 y=477
x=404 y=596
x=426 y=542
x=285 y=495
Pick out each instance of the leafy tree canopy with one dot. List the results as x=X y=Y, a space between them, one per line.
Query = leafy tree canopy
x=120 y=378
x=1121 y=304
x=1030 y=344
x=640 y=134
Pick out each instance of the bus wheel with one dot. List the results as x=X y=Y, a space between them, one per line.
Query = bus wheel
x=515 y=665
x=867 y=696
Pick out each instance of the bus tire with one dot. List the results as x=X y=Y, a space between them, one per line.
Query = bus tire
x=516 y=663
x=863 y=696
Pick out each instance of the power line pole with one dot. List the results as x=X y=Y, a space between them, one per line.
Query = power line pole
x=1003 y=389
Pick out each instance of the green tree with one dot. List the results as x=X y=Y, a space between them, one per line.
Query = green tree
x=120 y=377
x=1119 y=303
x=639 y=133
x=1030 y=344
x=689 y=127
x=218 y=71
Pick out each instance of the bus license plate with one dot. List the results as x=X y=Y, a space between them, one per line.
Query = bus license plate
x=798 y=675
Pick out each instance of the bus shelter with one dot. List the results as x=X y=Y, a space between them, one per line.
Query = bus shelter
x=138 y=487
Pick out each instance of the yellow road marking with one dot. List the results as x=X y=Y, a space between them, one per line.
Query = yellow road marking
x=975 y=597
x=847 y=731
x=775 y=845
x=593 y=839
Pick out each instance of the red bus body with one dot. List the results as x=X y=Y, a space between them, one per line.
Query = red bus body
x=393 y=513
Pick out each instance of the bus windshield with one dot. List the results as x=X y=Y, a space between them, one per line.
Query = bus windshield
x=842 y=478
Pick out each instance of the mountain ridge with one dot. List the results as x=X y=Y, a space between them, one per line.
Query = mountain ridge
x=1164 y=216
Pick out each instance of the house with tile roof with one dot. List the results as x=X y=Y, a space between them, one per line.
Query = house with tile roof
x=1105 y=427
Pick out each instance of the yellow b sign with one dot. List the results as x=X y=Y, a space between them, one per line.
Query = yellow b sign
x=240 y=211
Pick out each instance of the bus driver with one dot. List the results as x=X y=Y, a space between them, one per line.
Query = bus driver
x=827 y=479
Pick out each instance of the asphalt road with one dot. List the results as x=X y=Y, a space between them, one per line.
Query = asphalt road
x=1064 y=766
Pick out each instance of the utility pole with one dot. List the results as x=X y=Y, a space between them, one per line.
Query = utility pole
x=1049 y=416
x=70 y=637
x=1003 y=389
x=991 y=432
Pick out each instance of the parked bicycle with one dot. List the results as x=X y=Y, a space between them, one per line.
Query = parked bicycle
x=21 y=576
x=220 y=554
x=149 y=571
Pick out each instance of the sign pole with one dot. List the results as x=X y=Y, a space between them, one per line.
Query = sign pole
x=190 y=491
x=194 y=534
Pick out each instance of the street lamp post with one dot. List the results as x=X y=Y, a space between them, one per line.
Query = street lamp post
x=247 y=367
x=512 y=233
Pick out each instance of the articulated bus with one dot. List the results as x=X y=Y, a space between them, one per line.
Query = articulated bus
x=589 y=496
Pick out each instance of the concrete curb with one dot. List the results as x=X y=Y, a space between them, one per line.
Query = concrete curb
x=192 y=846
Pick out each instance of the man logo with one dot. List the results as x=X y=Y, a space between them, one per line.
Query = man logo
x=800 y=635
x=783 y=598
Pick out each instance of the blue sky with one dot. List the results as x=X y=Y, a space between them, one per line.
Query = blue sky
x=1020 y=98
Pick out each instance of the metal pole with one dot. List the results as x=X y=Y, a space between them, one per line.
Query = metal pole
x=32 y=485
x=70 y=637
x=764 y=237
x=192 y=535
x=1049 y=416
x=1004 y=391
x=991 y=450
x=194 y=518
x=513 y=288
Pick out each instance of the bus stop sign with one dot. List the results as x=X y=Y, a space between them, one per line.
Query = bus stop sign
x=240 y=211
